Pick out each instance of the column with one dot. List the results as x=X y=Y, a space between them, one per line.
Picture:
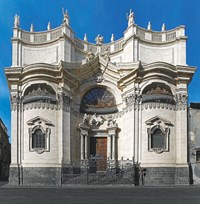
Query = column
x=82 y=146
x=109 y=147
x=86 y=146
x=113 y=147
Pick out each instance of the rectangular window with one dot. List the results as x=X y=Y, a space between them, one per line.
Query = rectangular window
x=198 y=155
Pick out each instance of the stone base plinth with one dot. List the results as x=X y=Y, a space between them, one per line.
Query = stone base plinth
x=35 y=176
x=155 y=176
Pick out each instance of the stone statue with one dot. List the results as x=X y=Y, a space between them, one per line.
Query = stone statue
x=111 y=123
x=85 y=37
x=112 y=38
x=163 y=27
x=65 y=17
x=90 y=55
x=130 y=18
x=96 y=120
x=85 y=119
x=107 y=55
x=31 y=28
x=49 y=26
x=149 y=26
x=16 y=21
x=99 y=40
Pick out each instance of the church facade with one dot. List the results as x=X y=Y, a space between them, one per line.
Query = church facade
x=73 y=100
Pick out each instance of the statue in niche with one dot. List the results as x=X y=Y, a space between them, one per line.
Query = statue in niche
x=16 y=21
x=130 y=17
x=99 y=39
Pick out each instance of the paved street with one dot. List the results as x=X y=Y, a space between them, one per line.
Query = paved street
x=99 y=194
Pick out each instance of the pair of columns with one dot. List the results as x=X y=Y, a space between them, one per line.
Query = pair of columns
x=111 y=146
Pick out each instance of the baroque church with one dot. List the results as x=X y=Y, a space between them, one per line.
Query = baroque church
x=81 y=108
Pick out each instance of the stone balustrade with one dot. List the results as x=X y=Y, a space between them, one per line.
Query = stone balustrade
x=115 y=46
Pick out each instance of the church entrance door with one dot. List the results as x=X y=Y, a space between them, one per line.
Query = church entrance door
x=98 y=150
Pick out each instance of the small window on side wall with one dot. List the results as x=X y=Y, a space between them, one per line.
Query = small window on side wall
x=198 y=155
x=39 y=139
x=158 y=139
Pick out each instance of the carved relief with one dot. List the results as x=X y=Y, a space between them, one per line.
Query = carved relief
x=133 y=99
x=99 y=77
x=64 y=99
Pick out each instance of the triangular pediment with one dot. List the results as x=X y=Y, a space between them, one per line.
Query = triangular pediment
x=38 y=120
x=157 y=120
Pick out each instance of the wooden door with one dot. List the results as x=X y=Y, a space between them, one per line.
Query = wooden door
x=98 y=149
x=101 y=150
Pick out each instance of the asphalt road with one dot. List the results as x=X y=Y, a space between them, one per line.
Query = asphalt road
x=100 y=195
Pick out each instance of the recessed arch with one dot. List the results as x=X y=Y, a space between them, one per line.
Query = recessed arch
x=98 y=100
x=39 y=93
x=157 y=92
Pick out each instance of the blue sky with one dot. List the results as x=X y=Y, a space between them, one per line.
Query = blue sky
x=102 y=17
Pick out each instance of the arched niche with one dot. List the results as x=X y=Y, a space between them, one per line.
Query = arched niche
x=157 y=92
x=39 y=93
x=98 y=100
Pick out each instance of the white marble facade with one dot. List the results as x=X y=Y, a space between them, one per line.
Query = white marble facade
x=140 y=83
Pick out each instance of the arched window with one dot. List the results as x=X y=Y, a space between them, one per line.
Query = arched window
x=98 y=100
x=158 y=137
x=38 y=139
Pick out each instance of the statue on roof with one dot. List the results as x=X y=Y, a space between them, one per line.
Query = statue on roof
x=31 y=28
x=130 y=18
x=112 y=38
x=99 y=40
x=65 y=17
x=16 y=21
x=149 y=26
x=85 y=37
x=163 y=27
x=49 y=26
